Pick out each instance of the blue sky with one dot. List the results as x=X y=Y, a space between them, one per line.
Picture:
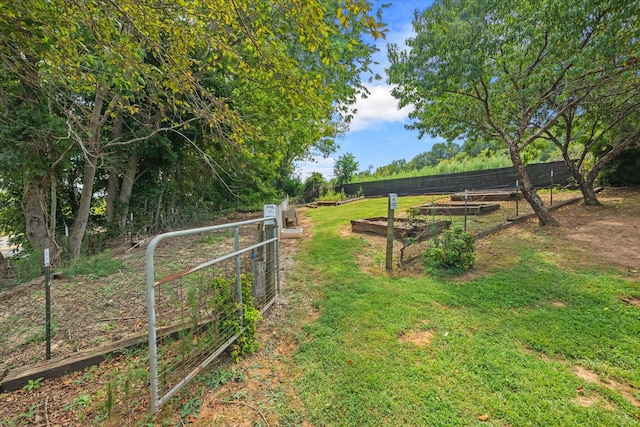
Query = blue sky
x=377 y=135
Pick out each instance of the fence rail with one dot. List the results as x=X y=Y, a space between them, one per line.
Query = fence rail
x=205 y=306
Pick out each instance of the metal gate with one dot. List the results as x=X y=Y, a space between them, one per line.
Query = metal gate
x=195 y=312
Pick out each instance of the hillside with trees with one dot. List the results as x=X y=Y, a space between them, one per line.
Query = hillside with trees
x=113 y=111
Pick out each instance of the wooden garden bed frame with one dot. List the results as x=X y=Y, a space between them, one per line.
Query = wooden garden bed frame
x=402 y=228
x=488 y=196
x=472 y=208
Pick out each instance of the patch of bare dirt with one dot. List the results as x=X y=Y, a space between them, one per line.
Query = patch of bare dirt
x=558 y=304
x=589 y=237
x=625 y=390
x=593 y=399
x=418 y=335
x=632 y=301
x=419 y=338
x=607 y=234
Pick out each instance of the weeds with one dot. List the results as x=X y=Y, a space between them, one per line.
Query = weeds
x=29 y=415
x=219 y=377
x=33 y=384
x=100 y=265
x=191 y=409
x=216 y=237
x=333 y=196
x=27 y=265
x=79 y=402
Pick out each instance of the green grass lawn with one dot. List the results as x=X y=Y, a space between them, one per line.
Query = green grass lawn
x=500 y=350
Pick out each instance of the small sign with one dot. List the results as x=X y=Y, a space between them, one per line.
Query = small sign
x=47 y=260
x=393 y=201
x=270 y=211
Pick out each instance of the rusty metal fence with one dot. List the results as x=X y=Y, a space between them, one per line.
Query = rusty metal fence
x=197 y=312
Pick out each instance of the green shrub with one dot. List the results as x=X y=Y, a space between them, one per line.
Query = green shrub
x=452 y=251
x=331 y=196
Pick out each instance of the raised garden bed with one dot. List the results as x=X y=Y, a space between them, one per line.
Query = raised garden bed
x=488 y=196
x=319 y=203
x=457 y=208
x=402 y=228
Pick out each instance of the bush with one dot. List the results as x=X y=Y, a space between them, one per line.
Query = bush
x=452 y=251
x=333 y=196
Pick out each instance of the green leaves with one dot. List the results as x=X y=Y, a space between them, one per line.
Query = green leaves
x=344 y=168
x=248 y=86
x=452 y=251
x=523 y=71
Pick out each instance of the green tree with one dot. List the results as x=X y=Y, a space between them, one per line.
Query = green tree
x=249 y=84
x=344 y=168
x=624 y=171
x=509 y=70
x=598 y=131
x=313 y=186
x=439 y=151
x=395 y=167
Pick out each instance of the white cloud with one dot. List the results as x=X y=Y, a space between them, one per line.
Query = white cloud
x=317 y=164
x=379 y=107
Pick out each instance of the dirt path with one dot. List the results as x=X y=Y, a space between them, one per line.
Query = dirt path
x=269 y=374
x=609 y=234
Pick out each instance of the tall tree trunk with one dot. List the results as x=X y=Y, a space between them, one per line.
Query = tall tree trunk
x=586 y=185
x=88 y=179
x=586 y=188
x=112 y=195
x=82 y=217
x=114 y=178
x=34 y=206
x=126 y=189
x=589 y=196
x=530 y=194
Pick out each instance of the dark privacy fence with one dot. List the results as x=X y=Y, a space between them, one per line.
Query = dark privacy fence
x=501 y=178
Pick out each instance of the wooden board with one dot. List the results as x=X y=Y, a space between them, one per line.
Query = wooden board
x=488 y=196
x=458 y=208
x=15 y=379
x=333 y=202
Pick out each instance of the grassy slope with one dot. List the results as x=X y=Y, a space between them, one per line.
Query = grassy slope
x=499 y=346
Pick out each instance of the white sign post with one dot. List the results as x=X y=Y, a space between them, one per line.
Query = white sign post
x=393 y=204
x=393 y=201
x=270 y=211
